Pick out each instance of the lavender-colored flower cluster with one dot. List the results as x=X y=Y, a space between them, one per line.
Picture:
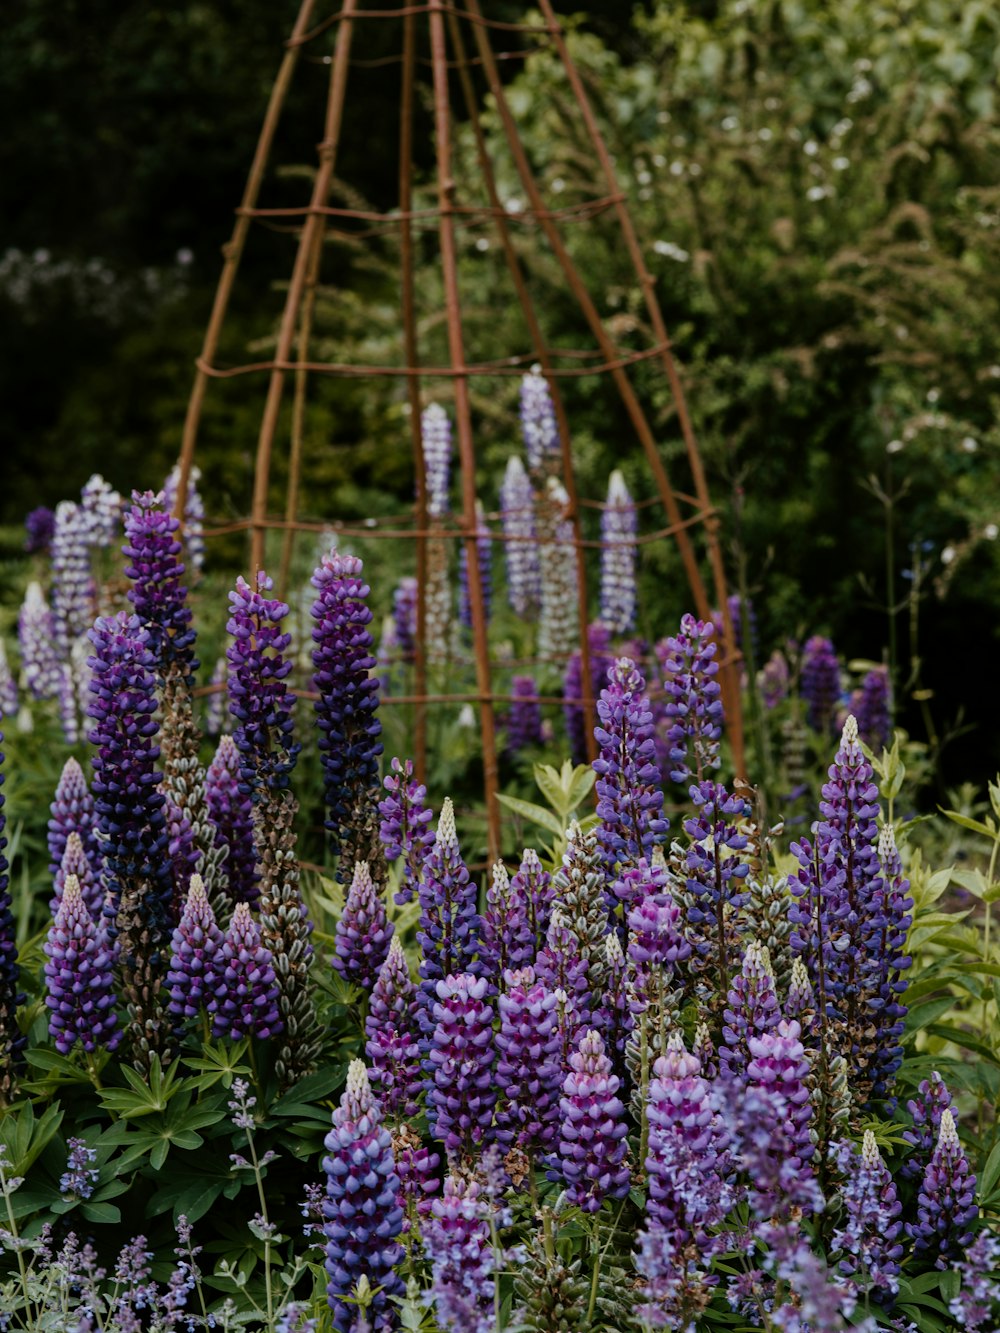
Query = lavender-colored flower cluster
x=517 y=511
x=693 y=710
x=619 y=526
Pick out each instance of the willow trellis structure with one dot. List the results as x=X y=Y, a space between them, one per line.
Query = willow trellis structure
x=455 y=41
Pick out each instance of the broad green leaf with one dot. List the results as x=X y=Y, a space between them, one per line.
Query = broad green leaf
x=583 y=781
x=973 y=825
x=963 y=1039
x=923 y=1014
x=100 y=1212
x=555 y=788
x=991 y=1173
x=537 y=814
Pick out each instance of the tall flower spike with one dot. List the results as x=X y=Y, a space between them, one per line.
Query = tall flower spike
x=362 y=1216
x=592 y=1143
x=461 y=1089
x=539 y=428
x=693 y=711
x=517 y=511
x=404 y=830
x=363 y=931
x=101 y=508
x=391 y=1032
x=247 y=999
x=946 y=1202
x=193 y=975
x=933 y=1099
x=435 y=430
x=888 y=918
x=820 y=682
x=524 y=720
x=619 y=526
x=194 y=514
x=36 y=637
x=157 y=593
x=872 y=706
x=78 y=977
x=716 y=874
x=72 y=582
x=558 y=618
x=561 y=966
x=12 y=1041
x=72 y=811
x=630 y=801
x=8 y=685
x=535 y=883
x=75 y=862
x=613 y=1017
x=528 y=1072
x=457 y=1242
x=869 y=1240
x=778 y=1063
x=231 y=812
x=601 y=661
x=751 y=1008
x=484 y=558
x=404 y=617
x=347 y=707
x=508 y=941
x=448 y=929
x=260 y=700
x=579 y=892
x=39 y=527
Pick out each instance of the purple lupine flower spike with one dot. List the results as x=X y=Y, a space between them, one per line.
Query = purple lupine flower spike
x=12 y=1040
x=182 y=851
x=391 y=1032
x=558 y=621
x=484 y=557
x=259 y=699
x=157 y=593
x=507 y=938
x=872 y=706
x=592 y=1129
x=231 y=811
x=820 y=682
x=534 y=883
x=630 y=801
x=36 y=637
x=194 y=972
x=539 y=428
x=72 y=582
x=751 y=1008
x=245 y=1003
x=75 y=862
x=347 y=707
x=889 y=916
x=101 y=509
x=448 y=929
x=524 y=720
x=417 y=1166
x=461 y=1090
x=619 y=525
x=8 y=685
x=601 y=661
x=72 y=811
x=716 y=871
x=404 y=830
x=435 y=430
x=693 y=711
x=869 y=1240
x=560 y=965
x=528 y=1072
x=517 y=510
x=81 y=1174
x=933 y=1099
x=946 y=1202
x=363 y=931
x=39 y=527
x=78 y=976
x=194 y=514
x=404 y=617
x=613 y=1017
x=128 y=804
x=362 y=1216
x=457 y=1241
x=772 y=680
x=778 y=1063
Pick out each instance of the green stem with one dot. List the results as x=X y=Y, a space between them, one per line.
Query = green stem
x=13 y=1231
x=595 y=1275
x=644 y=1090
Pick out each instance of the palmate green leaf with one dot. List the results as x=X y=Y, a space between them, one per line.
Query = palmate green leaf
x=967 y=822
x=25 y=1138
x=536 y=814
x=219 y=1062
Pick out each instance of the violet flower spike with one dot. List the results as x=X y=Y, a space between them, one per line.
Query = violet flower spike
x=484 y=558
x=75 y=862
x=619 y=554
x=869 y=1240
x=347 y=707
x=534 y=883
x=820 y=682
x=404 y=830
x=435 y=430
x=448 y=928
x=194 y=514
x=630 y=801
x=751 y=1009
x=363 y=931
x=592 y=1142
x=12 y=1040
x=8 y=685
x=72 y=581
x=558 y=621
x=601 y=661
x=461 y=1089
x=458 y=1243
x=517 y=512
x=693 y=711
x=946 y=1202
x=231 y=811
x=72 y=811
x=528 y=1072
x=507 y=938
x=539 y=428
x=36 y=637
x=524 y=718
x=194 y=973
x=245 y=1003
x=363 y=1219
x=391 y=1038
x=157 y=593
x=80 y=988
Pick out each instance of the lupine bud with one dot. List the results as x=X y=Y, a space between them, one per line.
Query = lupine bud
x=601 y=661
x=403 y=829
x=517 y=510
x=457 y=1242
x=72 y=812
x=78 y=976
x=693 y=711
x=630 y=801
x=869 y=1240
x=528 y=1072
x=820 y=682
x=347 y=707
x=619 y=525
x=363 y=1219
x=193 y=976
x=592 y=1129
x=231 y=811
x=461 y=1090
x=946 y=1203
x=507 y=939
x=524 y=720
x=245 y=1003
x=391 y=1032
x=448 y=930
x=363 y=931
